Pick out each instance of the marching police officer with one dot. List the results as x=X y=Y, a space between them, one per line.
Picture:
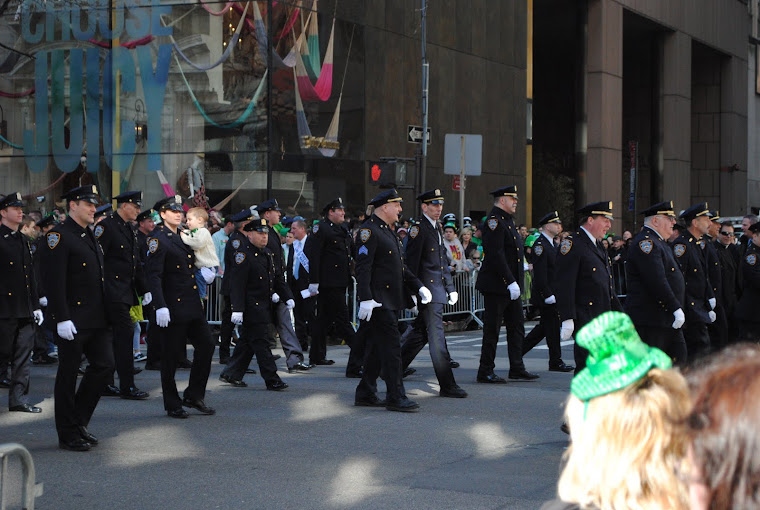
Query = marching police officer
x=500 y=281
x=124 y=282
x=254 y=290
x=73 y=277
x=749 y=303
x=700 y=301
x=718 y=330
x=330 y=278
x=382 y=278
x=43 y=342
x=19 y=303
x=656 y=287
x=170 y=271
x=145 y=226
x=584 y=287
x=544 y=262
x=426 y=258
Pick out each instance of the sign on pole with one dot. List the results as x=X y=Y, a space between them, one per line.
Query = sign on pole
x=456 y=184
x=462 y=155
x=414 y=134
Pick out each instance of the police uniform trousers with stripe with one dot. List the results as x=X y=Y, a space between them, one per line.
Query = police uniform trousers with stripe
x=428 y=328
x=16 y=342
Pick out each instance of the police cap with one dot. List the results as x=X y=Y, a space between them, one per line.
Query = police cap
x=145 y=215
x=335 y=204
x=695 y=211
x=102 y=210
x=243 y=215
x=755 y=228
x=173 y=203
x=714 y=216
x=660 y=208
x=268 y=205
x=597 y=209
x=47 y=220
x=433 y=196
x=505 y=191
x=257 y=225
x=552 y=217
x=87 y=193
x=384 y=197
x=131 y=197
x=12 y=200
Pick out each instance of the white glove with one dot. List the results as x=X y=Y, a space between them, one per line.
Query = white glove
x=712 y=303
x=66 y=330
x=237 y=318
x=551 y=300
x=712 y=316
x=425 y=295
x=275 y=298
x=290 y=304
x=43 y=301
x=514 y=291
x=680 y=318
x=313 y=289
x=208 y=275
x=453 y=298
x=414 y=309
x=162 y=317
x=38 y=318
x=147 y=298
x=365 y=309
x=566 y=330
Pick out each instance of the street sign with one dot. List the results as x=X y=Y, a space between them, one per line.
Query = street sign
x=414 y=134
x=457 y=146
x=456 y=184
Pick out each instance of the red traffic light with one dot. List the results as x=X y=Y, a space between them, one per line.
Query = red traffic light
x=376 y=172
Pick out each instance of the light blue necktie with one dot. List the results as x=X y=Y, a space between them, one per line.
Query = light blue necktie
x=295 y=259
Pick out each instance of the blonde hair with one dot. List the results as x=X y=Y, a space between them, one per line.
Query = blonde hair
x=198 y=212
x=626 y=446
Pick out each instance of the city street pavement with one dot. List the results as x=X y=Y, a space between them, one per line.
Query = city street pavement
x=309 y=447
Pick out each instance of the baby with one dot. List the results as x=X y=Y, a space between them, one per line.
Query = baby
x=197 y=237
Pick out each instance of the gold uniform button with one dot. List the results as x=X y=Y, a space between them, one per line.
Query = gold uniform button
x=593 y=269
x=178 y=299
x=189 y=256
x=177 y=266
x=590 y=303
x=692 y=303
x=389 y=252
x=11 y=262
x=84 y=264
x=10 y=294
x=695 y=269
x=336 y=265
x=387 y=286
x=261 y=277
x=195 y=286
x=122 y=246
x=79 y=302
x=117 y=277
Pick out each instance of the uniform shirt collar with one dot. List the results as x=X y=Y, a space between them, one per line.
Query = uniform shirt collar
x=548 y=238
x=593 y=239
x=655 y=232
x=432 y=222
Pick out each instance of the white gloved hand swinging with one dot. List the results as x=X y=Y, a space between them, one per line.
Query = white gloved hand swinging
x=147 y=298
x=66 y=330
x=514 y=291
x=38 y=318
x=163 y=317
x=425 y=295
x=366 y=307
x=453 y=298
x=208 y=275
x=237 y=318
x=566 y=330
x=275 y=298
x=551 y=300
x=679 y=317
x=43 y=301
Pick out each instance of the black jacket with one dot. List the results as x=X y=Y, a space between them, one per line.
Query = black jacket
x=278 y=255
x=426 y=258
x=121 y=259
x=18 y=286
x=237 y=241
x=656 y=287
x=729 y=276
x=712 y=265
x=503 y=254
x=749 y=304
x=72 y=273
x=689 y=253
x=381 y=273
x=304 y=277
x=332 y=258
x=544 y=263
x=253 y=280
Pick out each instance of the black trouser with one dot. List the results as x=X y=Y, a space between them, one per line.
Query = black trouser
x=152 y=338
x=177 y=333
x=16 y=341
x=383 y=352
x=548 y=327
x=718 y=330
x=697 y=339
x=74 y=406
x=41 y=347
x=254 y=339
x=427 y=328
x=225 y=330
x=749 y=331
x=122 y=334
x=331 y=305
x=499 y=307
x=304 y=317
x=669 y=340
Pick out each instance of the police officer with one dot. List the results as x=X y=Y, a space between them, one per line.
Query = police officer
x=383 y=281
x=43 y=338
x=330 y=278
x=728 y=255
x=500 y=281
x=254 y=290
x=270 y=211
x=700 y=301
x=749 y=303
x=584 y=287
x=236 y=240
x=19 y=303
x=426 y=258
x=718 y=330
x=544 y=261
x=145 y=226
x=73 y=277
x=656 y=288
x=170 y=271
x=124 y=282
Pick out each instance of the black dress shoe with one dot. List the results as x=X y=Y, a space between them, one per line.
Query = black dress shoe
x=152 y=366
x=235 y=382
x=224 y=361
x=372 y=401
x=355 y=374
x=25 y=408
x=276 y=357
x=453 y=364
x=134 y=394
x=453 y=392
x=299 y=367
x=250 y=371
x=324 y=362
x=110 y=391
x=561 y=367
x=564 y=428
x=198 y=404
x=75 y=445
x=44 y=360
x=185 y=363
x=522 y=375
x=136 y=370
x=491 y=379
x=403 y=406
x=85 y=434
x=408 y=371
x=276 y=386
x=5 y=382
x=177 y=413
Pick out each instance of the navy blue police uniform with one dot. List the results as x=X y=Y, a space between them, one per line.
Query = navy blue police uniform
x=749 y=303
x=718 y=330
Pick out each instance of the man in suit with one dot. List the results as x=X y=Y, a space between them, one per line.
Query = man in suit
x=124 y=281
x=728 y=254
x=749 y=303
x=299 y=278
x=544 y=262
x=426 y=258
x=656 y=288
x=718 y=330
x=584 y=287
x=73 y=277
x=500 y=281
x=384 y=284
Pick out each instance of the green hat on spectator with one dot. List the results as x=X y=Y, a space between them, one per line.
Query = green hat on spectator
x=617 y=356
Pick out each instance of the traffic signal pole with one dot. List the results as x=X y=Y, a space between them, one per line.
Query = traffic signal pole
x=425 y=76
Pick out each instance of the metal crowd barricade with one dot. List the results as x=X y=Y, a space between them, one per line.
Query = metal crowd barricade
x=30 y=489
x=214 y=302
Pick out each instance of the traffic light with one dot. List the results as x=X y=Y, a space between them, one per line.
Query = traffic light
x=387 y=174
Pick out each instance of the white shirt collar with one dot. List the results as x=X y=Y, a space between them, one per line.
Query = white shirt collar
x=547 y=236
x=593 y=239
x=655 y=232
x=432 y=222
